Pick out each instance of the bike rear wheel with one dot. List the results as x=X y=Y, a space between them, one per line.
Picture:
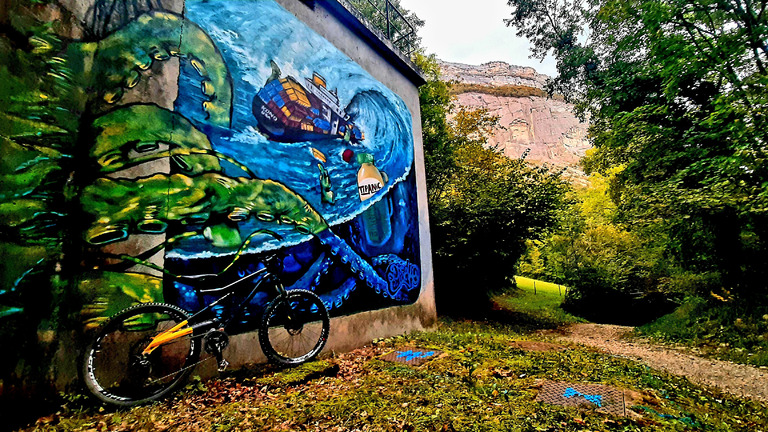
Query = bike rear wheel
x=294 y=328
x=116 y=371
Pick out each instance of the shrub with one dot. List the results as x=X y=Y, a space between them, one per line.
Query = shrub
x=479 y=226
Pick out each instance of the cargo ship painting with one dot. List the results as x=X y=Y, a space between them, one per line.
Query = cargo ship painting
x=289 y=112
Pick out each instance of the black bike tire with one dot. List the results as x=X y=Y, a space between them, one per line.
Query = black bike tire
x=87 y=369
x=264 y=340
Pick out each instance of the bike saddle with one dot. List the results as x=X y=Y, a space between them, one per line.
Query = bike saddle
x=273 y=262
x=198 y=278
x=201 y=282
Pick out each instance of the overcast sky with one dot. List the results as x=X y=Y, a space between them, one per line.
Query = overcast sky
x=473 y=32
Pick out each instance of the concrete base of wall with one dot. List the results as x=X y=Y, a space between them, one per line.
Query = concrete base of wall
x=347 y=333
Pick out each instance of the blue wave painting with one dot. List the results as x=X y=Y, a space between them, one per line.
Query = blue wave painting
x=255 y=37
x=251 y=34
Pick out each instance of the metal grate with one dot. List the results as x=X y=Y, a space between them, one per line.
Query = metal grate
x=388 y=18
x=411 y=357
x=604 y=399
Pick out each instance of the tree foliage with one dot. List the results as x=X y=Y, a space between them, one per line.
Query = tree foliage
x=675 y=92
x=483 y=205
x=614 y=274
x=435 y=103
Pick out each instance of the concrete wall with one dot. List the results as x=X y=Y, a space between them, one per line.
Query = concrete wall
x=125 y=121
x=353 y=331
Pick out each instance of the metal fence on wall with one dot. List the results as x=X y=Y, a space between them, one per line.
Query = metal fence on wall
x=388 y=18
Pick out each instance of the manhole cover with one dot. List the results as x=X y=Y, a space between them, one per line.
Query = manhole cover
x=604 y=399
x=412 y=357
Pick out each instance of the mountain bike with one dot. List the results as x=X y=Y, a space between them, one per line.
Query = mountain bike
x=146 y=351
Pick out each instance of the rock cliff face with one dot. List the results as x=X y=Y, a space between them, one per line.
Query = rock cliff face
x=546 y=126
x=494 y=73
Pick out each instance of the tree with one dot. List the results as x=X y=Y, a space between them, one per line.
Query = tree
x=613 y=273
x=531 y=264
x=480 y=222
x=483 y=206
x=676 y=93
x=439 y=146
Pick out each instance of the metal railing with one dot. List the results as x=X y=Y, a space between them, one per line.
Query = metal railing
x=388 y=18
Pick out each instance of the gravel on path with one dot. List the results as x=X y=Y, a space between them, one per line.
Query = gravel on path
x=740 y=380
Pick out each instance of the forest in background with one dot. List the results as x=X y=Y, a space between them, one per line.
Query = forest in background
x=675 y=93
x=675 y=214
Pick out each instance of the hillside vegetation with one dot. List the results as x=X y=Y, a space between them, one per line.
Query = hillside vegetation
x=515 y=91
x=505 y=90
x=678 y=209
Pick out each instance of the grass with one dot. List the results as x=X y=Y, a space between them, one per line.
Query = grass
x=724 y=330
x=481 y=383
x=536 y=286
x=537 y=305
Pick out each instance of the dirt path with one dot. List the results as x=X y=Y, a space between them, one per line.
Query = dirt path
x=740 y=380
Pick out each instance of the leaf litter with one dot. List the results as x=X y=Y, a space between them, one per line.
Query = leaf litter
x=480 y=383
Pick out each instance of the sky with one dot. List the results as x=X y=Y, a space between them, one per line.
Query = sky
x=473 y=32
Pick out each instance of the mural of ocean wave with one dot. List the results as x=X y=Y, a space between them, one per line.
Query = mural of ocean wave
x=307 y=116
x=300 y=53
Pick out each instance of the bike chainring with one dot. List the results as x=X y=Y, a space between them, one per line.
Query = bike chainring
x=216 y=341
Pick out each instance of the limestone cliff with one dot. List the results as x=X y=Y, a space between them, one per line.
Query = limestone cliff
x=527 y=118
x=494 y=73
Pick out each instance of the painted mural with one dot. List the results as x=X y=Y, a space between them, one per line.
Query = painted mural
x=337 y=143
x=151 y=143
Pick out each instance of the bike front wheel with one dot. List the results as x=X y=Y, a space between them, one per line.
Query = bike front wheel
x=117 y=372
x=294 y=328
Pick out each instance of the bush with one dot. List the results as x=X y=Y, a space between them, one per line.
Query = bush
x=734 y=330
x=480 y=225
x=612 y=276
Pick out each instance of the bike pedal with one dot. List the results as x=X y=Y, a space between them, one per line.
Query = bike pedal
x=223 y=365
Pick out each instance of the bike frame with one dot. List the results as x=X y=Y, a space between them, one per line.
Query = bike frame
x=202 y=327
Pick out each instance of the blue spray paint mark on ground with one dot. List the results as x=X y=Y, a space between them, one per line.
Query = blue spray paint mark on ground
x=595 y=399
x=410 y=355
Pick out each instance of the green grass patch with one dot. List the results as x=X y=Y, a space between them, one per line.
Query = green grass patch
x=481 y=383
x=537 y=306
x=722 y=330
x=537 y=286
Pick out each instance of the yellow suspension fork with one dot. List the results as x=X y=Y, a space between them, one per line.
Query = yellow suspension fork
x=167 y=336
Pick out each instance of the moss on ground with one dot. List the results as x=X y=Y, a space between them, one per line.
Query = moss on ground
x=298 y=375
x=481 y=383
x=727 y=331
